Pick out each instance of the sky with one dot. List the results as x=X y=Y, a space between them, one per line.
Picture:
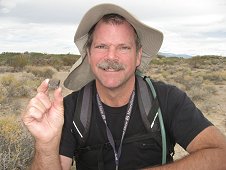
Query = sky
x=194 y=27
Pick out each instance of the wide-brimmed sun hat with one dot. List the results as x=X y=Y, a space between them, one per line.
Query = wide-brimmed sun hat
x=80 y=73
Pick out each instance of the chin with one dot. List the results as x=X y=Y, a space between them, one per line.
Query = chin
x=110 y=83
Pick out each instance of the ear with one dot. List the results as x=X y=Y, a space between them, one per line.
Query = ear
x=139 y=55
x=88 y=55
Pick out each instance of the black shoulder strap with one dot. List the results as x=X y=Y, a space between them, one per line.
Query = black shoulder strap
x=154 y=109
x=82 y=116
x=148 y=105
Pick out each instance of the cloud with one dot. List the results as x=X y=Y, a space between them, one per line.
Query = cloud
x=35 y=37
x=192 y=27
x=199 y=34
x=6 y=6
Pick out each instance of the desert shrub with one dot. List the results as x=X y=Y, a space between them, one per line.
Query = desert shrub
x=211 y=89
x=16 y=144
x=14 y=87
x=4 y=69
x=201 y=91
x=39 y=59
x=206 y=107
x=3 y=96
x=188 y=80
x=217 y=76
x=194 y=62
x=31 y=81
x=18 y=62
x=166 y=60
x=7 y=80
x=198 y=62
x=69 y=60
x=165 y=74
x=44 y=72
x=56 y=63
x=197 y=93
x=5 y=56
x=205 y=61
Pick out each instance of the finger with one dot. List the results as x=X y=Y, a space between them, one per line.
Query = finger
x=40 y=103
x=43 y=88
x=43 y=99
x=58 y=100
x=34 y=114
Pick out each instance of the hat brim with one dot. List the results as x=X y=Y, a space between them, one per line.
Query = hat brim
x=81 y=74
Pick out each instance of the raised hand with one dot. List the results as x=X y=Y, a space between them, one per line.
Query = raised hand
x=44 y=117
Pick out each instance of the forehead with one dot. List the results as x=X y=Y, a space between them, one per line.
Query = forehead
x=114 y=27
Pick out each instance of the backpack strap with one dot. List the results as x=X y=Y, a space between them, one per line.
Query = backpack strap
x=148 y=105
x=155 y=107
x=82 y=116
x=144 y=101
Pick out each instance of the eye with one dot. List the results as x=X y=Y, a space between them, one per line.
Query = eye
x=101 y=46
x=124 y=49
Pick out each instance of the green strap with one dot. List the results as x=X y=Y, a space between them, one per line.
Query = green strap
x=162 y=128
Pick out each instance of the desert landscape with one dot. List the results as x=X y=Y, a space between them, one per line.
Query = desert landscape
x=203 y=78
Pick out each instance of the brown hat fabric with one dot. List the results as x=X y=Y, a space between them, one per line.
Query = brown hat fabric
x=80 y=73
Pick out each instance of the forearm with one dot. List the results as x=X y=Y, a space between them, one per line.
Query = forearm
x=46 y=157
x=207 y=159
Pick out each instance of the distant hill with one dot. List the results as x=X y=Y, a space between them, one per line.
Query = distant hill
x=175 y=55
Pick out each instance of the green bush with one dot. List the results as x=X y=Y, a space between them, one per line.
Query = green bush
x=166 y=60
x=205 y=61
x=69 y=60
x=18 y=62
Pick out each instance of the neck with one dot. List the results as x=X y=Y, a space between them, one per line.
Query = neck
x=116 y=97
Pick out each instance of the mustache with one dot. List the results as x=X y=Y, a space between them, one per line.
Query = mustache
x=111 y=64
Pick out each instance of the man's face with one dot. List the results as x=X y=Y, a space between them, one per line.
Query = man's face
x=112 y=56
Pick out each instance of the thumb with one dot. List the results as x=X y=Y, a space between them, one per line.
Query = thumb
x=58 y=100
x=43 y=88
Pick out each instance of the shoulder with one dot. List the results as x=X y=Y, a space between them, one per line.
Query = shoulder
x=167 y=92
x=172 y=100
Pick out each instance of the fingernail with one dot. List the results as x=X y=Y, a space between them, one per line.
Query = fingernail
x=47 y=81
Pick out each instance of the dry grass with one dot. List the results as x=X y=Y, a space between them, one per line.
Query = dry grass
x=16 y=144
x=43 y=72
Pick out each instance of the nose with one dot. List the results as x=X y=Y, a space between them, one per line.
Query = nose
x=112 y=52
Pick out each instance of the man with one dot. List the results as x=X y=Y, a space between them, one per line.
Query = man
x=113 y=45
